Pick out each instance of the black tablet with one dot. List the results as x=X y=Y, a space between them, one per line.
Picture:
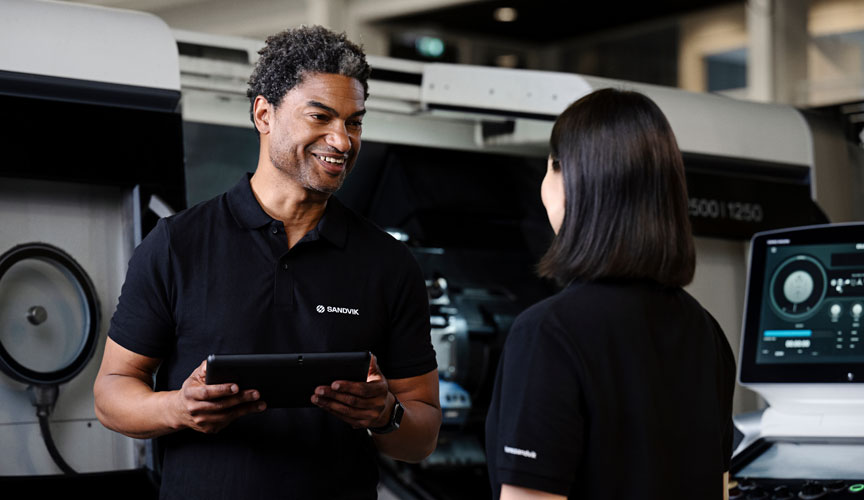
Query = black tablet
x=287 y=380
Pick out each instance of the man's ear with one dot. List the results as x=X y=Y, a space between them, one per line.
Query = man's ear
x=262 y=112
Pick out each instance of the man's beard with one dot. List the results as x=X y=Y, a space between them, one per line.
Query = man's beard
x=303 y=173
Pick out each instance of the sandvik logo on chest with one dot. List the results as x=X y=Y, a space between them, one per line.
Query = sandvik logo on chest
x=337 y=310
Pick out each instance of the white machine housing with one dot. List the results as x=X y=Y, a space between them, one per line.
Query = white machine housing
x=88 y=43
x=98 y=225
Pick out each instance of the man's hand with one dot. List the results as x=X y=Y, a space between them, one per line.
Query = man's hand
x=126 y=403
x=360 y=404
x=370 y=404
x=210 y=408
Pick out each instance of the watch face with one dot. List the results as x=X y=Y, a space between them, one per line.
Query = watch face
x=398 y=410
x=393 y=424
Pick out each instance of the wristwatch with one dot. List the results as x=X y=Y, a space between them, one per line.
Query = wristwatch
x=395 y=420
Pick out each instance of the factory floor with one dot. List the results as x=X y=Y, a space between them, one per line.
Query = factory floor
x=137 y=485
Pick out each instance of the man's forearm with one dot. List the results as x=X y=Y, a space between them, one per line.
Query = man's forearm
x=417 y=435
x=129 y=406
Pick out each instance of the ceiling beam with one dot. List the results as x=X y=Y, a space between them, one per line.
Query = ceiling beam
x=374 y=10
x=254 y=19
x=140 y=5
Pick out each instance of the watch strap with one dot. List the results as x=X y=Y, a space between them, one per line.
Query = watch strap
x=395 y=419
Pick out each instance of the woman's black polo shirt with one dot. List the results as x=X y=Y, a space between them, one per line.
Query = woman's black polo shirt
x=220 y=278
x=613 y=391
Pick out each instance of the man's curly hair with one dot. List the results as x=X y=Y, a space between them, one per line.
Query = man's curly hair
x=287 y=56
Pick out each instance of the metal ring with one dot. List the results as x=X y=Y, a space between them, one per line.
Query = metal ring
x=59 y=258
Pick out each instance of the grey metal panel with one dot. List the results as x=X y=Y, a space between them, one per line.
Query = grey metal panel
x=94 y=225
x=721 y=275
x=837 y=185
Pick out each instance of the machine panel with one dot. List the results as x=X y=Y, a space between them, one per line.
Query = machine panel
x=774 y=468
x=801 y=351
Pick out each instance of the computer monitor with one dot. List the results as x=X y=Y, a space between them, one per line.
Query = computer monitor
x=804 y=306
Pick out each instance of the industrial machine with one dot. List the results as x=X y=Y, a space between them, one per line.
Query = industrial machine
x=91 y=137
x=801 y=350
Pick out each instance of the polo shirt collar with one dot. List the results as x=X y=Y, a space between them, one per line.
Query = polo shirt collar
x=333 y=226
x=244 y=207
x=246 y=210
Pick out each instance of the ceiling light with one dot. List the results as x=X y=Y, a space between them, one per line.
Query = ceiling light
x=507 y=61
x=429 y=46
x=505 y=14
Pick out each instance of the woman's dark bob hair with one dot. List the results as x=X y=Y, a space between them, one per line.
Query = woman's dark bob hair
x=626 y=212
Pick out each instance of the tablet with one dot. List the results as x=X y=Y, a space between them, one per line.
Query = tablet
x=287 y=380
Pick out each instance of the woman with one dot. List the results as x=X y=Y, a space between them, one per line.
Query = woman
x=620 y=386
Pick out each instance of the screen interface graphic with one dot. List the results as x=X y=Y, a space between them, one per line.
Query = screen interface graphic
x=812 y=303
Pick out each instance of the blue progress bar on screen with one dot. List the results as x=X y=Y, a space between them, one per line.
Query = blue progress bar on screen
x=788 y=333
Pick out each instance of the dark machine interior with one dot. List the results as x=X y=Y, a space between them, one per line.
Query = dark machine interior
x=477 y=226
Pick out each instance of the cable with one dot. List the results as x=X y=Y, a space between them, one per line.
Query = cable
x=52 y=449
x=43 y=398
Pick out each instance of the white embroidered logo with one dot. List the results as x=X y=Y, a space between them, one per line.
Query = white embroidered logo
x=521 y=453
x=338 y=310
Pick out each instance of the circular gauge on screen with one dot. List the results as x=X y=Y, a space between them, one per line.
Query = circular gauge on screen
x=49 y=315
x=798 y=287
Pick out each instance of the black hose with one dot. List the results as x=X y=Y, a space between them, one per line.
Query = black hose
x=43 y=397
x=42 y=413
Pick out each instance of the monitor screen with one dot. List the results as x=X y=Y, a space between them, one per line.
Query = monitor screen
x=805 y=303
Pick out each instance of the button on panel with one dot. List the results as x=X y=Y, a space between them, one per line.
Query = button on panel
x=783 y=493
x=811 y=491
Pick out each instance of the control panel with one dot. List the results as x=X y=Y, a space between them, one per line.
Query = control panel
x=795 y=489
x=799 y=468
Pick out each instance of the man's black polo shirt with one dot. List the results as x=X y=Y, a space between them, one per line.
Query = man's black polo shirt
x=220 y=278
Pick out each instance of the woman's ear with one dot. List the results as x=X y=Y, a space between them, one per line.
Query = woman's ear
x=552 y=194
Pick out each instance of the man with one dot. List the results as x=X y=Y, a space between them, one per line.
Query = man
x=251 y=272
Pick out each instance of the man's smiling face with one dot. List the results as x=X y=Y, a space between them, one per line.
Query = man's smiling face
x=314 y=134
